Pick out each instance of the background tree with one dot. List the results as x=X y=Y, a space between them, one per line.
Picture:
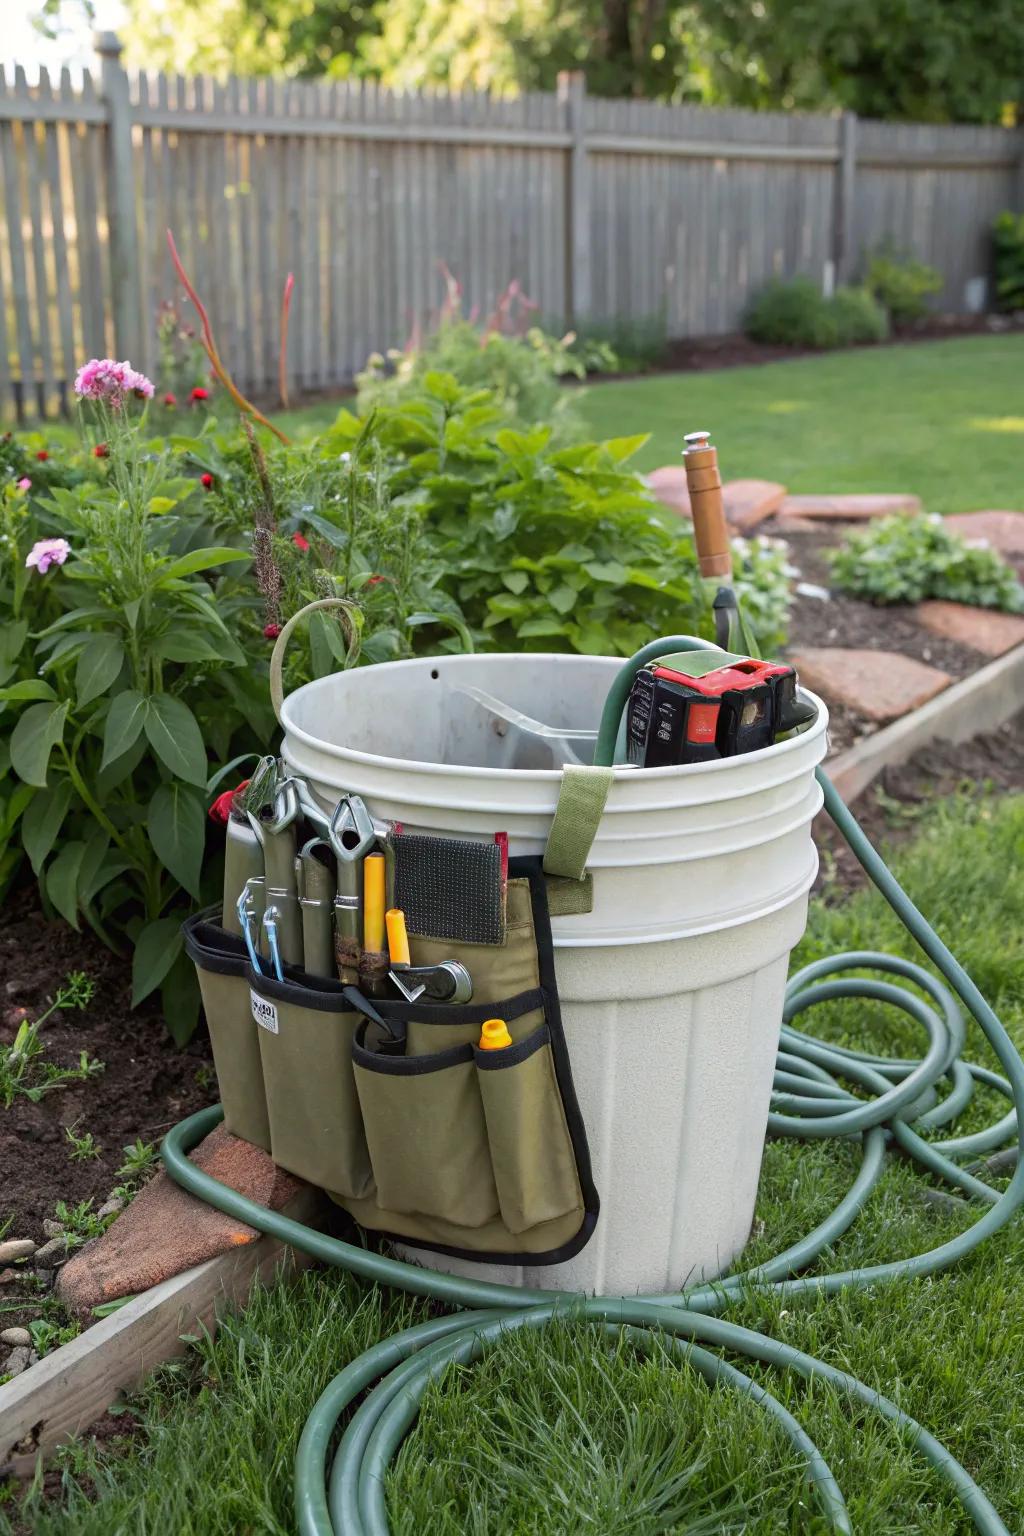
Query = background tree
x=925 y=60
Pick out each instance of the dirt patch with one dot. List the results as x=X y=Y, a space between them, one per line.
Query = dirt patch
x=992 y=762
x=849 y=622
x=146 y=1086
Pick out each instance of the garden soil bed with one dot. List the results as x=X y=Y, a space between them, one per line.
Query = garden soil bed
x=844 y=621
x=147 y=1084
x=993 y=762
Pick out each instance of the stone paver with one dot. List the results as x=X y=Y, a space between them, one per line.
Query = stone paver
x=746 y=502
x=880 y=685
x=981 y=628
x=1004 y=531
x=749 y=502
x=669 y=486
x=165 y=1230
x=848 y=509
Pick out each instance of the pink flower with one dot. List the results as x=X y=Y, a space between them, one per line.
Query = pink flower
x=104 y=379
x=170 y=400
x=24 y=484
x=300 y=542
x=47 y=552
x=271 y=631
x=199 y=393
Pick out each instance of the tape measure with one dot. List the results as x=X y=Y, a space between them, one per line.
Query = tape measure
x=696 y=706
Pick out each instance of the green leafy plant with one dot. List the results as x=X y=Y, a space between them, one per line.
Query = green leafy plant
x=542 y=547
x=124 y=675
x=80 y=1222
x=1008 y=257
x=797 y=314
x=22 y=1068
x=48 y=1334
x=140 y=1160
x=908 y=559
x=902 y=284
x=505 y=352
x=84 y=1147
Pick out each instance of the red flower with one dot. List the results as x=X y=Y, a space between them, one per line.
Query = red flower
x=101 y=451
x=42 y=455
x=170 y=399
x=271 y=631
x=375 y=581
x=206 y=481
x=300 y=542
x=220 y=810
x=199 y=393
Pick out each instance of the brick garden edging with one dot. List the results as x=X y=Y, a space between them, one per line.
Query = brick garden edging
x=979 y=703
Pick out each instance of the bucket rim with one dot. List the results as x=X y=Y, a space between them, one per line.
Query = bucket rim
x=621 y=772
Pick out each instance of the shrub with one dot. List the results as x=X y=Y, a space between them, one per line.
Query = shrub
x=907 y=559
x=1008 y=254
x=858 y=316
x=902 y=284
x=791 y=314
x=797 y=314
x=520 y=362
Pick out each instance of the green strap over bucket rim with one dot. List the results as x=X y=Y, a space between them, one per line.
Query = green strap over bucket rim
x=581 y=803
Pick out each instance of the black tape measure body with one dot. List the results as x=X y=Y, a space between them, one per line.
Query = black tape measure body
x=682 y=711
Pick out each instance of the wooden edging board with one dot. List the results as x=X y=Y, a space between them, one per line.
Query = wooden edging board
x=981 y=702
x=65 y=1392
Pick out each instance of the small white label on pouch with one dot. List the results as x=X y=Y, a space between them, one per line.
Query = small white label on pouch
x=263 y=1012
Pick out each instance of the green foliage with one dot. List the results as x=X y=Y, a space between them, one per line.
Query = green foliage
x=908 y=559
x=924 y=60
x=22 y=1068
x=858 y=317
x=901 y=284
x=796 y=313
x=1008 y=256
x=84 y=1146
x=519 y=362
x=545 y=547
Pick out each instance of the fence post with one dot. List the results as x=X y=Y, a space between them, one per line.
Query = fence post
x=845 y=232
x=125 y=281
x=572 y=92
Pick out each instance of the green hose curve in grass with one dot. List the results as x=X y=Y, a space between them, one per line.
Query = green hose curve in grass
x=809 y=1101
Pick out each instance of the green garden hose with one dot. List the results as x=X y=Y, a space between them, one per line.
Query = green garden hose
x=809 y=1101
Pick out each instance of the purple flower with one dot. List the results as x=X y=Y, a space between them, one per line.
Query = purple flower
x=104 y=379
x=47 y=552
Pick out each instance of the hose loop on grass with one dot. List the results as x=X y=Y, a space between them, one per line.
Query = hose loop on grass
x=810 y=1102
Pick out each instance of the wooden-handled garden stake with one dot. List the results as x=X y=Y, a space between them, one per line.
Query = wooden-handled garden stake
x=714 y=546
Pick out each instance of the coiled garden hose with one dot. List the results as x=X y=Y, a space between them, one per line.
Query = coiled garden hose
x=809 y=1101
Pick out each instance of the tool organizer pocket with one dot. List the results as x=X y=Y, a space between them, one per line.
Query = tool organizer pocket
x=478 y=1153
x=222 y=965
x=305 y=1040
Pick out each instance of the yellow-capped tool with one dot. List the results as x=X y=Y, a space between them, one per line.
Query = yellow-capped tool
x=447 y=982
x=494 y=1035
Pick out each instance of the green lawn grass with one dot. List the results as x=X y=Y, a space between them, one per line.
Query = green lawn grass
x=943 y=420
x=567 y=1432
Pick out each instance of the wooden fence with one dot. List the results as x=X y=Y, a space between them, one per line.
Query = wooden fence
x=605 y=211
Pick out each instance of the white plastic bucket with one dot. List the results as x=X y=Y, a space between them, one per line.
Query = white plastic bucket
x=671 y=988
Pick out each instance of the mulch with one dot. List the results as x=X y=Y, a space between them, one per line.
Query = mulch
x=848 y=622
x=147 y=1084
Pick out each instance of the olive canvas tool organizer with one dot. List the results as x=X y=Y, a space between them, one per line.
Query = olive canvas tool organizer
x=392 y=1107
